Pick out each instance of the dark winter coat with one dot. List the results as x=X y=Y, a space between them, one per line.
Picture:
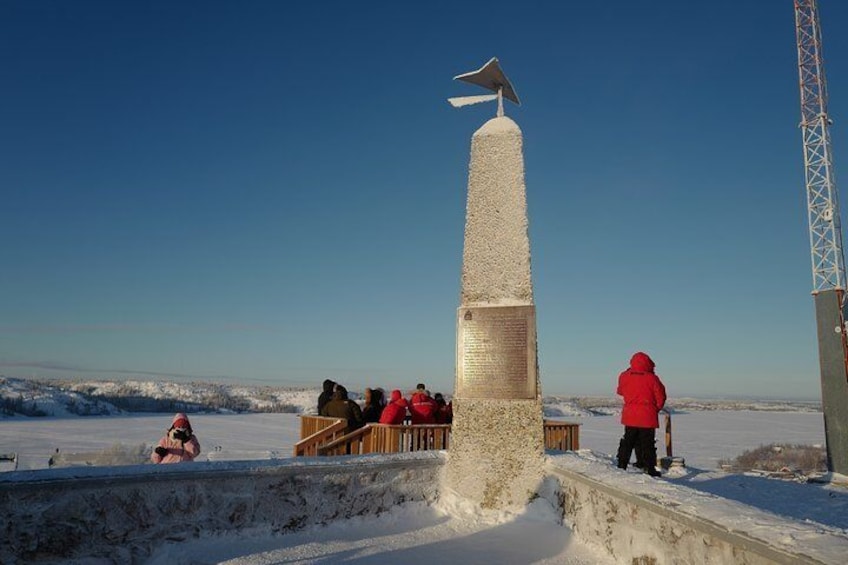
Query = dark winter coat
x=395 y=411
x=444 y=415
x=372 y=411
x=643 y=392
x=326 y=395
x=341 y=407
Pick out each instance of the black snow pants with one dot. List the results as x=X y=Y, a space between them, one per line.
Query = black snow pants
x=643 y=440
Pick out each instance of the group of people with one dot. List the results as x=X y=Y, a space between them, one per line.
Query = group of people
x=181 y=444
x=419 y=408
x=643 y=392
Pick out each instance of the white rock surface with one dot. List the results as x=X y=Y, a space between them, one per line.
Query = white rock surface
x=497 y=443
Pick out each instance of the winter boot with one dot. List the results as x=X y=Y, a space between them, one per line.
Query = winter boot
x=649 y=460
x=623 y=454
x=646 y=453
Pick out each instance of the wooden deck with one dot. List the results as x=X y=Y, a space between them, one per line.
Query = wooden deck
x=328 y=436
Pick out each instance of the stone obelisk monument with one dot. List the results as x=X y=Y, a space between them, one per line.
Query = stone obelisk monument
x=497 y=451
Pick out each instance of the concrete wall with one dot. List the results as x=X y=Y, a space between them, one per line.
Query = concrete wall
x=658 y=523
x=120 y=514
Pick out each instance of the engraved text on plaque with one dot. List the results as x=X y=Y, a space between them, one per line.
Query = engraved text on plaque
x=496 y=352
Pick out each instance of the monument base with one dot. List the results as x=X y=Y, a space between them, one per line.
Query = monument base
x=496 y=456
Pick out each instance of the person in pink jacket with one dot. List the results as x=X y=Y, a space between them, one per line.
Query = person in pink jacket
x=644 y=396
x=178 y=444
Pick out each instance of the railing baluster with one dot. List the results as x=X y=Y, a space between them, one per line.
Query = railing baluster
x=324 y=435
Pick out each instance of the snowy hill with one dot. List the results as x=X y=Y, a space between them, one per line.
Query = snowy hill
x=22 y=397
x=25 y=397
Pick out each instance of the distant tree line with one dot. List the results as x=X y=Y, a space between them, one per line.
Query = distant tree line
x=10 y=406
x=88 y=408
x=215 y=401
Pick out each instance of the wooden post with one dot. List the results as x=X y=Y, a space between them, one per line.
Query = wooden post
x=668 y=450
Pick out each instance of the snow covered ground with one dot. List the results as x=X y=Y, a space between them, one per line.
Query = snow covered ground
x=417 y=533
x=414 y=532
x=451 y=531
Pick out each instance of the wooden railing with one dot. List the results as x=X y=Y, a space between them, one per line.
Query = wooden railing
x=382 y=438
x=326 y=437
x=423 y=437
x=316 y=431
x=356 y=442
x=562 y=436
x=313 y=424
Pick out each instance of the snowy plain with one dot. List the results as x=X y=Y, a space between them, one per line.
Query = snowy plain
x=417 y=533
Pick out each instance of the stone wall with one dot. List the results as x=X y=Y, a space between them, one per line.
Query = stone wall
x=658 y=523
x=121 y=514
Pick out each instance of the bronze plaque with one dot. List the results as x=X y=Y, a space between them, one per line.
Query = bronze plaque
x=496 y=352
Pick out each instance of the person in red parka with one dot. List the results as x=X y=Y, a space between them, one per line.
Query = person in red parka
x=644 y=396
x=395 y=411
x=422 y=407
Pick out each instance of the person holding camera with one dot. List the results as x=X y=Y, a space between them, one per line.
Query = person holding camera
x=178 y=444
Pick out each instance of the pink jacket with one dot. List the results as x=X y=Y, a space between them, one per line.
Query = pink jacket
x=178 y=451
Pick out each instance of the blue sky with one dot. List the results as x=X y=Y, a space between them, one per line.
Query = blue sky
x=274 y=192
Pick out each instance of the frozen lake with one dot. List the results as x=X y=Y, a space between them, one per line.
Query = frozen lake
x=701 y=437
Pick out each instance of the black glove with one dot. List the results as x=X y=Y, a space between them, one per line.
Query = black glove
x=180 y=435
x=161 y=451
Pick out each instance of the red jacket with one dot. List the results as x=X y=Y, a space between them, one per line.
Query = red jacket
x=423 y=409
x=643 y=392
x=444 y=415
x=395 y=411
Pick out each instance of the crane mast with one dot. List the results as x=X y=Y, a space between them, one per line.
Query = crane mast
x=828 y=260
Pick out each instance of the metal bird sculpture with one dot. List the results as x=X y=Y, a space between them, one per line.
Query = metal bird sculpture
x=491 y=77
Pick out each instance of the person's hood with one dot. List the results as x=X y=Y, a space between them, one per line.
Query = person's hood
x=396 y=395
x=180 y=421
x=340 y=393
x=641 y=363
x=328 y=385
